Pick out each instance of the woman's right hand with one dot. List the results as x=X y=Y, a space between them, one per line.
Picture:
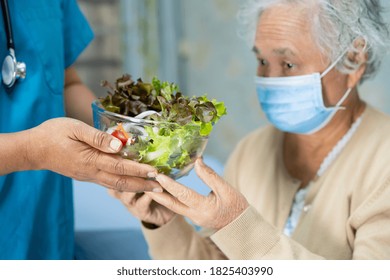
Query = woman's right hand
x=77 y=150
x=143 y=207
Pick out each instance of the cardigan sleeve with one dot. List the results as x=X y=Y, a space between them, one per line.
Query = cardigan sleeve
x=178 y=240
x=251 y=237
x=369 y=232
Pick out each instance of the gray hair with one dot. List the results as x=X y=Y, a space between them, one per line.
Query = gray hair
x=336 y=25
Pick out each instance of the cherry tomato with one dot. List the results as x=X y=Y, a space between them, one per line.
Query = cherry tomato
x=120 y=135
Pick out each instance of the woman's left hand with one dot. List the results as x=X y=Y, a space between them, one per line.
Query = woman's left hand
x=223 y=204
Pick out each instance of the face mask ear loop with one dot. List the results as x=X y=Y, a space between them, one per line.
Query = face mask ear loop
x=338 y=107
x=333 y=64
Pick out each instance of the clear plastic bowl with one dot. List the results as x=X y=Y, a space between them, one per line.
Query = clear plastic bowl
x=173 y=155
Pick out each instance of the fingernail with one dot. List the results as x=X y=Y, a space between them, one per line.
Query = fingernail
x=115 y=145
x=151 y=174
x=158 y=190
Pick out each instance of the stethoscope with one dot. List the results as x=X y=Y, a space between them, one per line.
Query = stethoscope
x=12 y=70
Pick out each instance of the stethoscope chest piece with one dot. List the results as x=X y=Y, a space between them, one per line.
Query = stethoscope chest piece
x=12 y=70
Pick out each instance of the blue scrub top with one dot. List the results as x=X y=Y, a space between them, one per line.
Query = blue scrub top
x=36 y=207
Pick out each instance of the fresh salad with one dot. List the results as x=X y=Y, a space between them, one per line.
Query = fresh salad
x=173 y=128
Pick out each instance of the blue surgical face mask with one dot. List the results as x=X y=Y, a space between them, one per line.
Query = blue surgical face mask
x=295 y=104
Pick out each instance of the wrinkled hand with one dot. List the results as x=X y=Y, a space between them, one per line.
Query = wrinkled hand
x=144 y=208
x=77 y=150
x=223 y=205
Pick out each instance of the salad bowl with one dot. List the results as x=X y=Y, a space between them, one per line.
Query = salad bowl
x=156 y=124
x=169 y=147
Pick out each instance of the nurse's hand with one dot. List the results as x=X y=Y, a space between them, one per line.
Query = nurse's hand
x=143 y=207
x=77 y=150
x=223 y=205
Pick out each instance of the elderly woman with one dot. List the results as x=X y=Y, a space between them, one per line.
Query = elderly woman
x=315 y=184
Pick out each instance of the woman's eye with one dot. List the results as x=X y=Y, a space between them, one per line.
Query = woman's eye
x=262 y=62
x=290 y=65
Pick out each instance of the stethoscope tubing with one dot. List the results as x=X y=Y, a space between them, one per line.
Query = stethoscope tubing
x=7 y=24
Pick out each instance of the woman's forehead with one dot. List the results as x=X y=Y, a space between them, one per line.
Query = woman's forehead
x=285 y=29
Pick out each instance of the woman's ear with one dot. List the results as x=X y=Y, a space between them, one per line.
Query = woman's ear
x=358 y=56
